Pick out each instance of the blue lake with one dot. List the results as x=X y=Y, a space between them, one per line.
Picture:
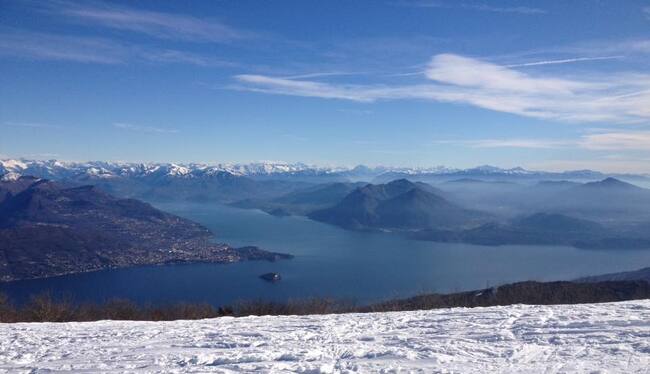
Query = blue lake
x=331 y=262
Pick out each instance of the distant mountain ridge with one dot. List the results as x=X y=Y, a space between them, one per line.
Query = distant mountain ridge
x=53 y=169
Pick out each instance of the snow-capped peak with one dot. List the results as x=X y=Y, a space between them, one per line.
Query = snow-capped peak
x=55 y=169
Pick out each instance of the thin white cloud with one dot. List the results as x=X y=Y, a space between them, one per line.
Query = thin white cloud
x=597 y=48
x=511 y=143
x=623 y=140
x=265 y=84
x=605 y=141
x=472 y=6
x=565 y=61
x=516 y=9
x=322 y=74
x=614 y=97
x=22 y=44
x=145 y=129
x=151 y=23
x=61 y=48
x=170 y=56
x=468 y=72
x=646 y=11
x=31 y=125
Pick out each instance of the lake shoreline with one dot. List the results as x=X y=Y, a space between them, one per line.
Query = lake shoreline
x=329 y=262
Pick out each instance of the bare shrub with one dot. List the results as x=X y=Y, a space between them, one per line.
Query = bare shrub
x=7 y=310
x=43 y=308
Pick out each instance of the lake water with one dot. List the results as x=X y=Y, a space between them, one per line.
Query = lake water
x=331 y=262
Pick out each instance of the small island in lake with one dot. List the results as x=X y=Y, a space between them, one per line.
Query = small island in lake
x=271 y=277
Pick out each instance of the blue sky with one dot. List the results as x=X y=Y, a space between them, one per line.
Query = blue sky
x=551 y=85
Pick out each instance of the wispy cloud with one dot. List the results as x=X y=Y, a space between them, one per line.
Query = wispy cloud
x=145 y=129
x=473 y=6
x=596 y=48
x=628 y=140
x=615 y=97
x=516 y=9
x=31 y=125
x=646 y=11
x=62 y=48
x=23 y=44
x=151 y=23
x=323 y=74
x=511 y=143
x=606 y=141
x=565 y=61
x=283 y=86
x=170 y=56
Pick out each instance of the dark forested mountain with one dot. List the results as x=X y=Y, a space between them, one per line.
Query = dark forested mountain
x=11 y=188
x=400 y=204
x=47 y=228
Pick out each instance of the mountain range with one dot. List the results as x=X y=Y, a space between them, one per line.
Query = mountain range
x=603 y=214
x=484 y=205
x=57 y=170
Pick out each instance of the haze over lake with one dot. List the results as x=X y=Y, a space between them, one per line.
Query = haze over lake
x=332 y=262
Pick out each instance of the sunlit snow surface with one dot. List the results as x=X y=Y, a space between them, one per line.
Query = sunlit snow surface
x=573 y=338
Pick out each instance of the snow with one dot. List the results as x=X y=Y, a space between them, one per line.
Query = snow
x=612 y=337
x=62 y=170
x=11 y=176
x=13 y=164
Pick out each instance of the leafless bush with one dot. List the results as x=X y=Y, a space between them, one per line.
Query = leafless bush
x=43 y=307
x=7 y=310
x=292 y=307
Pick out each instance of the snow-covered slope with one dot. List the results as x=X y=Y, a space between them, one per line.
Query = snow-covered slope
x=611 y=337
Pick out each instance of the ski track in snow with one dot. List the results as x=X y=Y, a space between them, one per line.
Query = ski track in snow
x=613 y=337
